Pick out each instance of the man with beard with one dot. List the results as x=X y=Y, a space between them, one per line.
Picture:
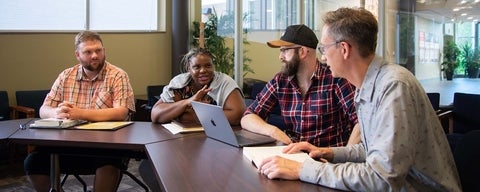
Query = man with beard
x=403 y=148
x=316 y=107
x=93 y=90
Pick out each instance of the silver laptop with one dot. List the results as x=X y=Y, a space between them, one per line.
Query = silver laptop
x=217 y=127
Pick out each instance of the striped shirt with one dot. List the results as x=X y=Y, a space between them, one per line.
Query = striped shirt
x=110 y=88
x=324 y=117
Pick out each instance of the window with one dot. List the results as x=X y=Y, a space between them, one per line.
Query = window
x=271 y=15
x=265 y=15
x=74 y=15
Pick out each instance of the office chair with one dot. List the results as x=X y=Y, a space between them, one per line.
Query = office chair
x=8 y=112
x=463 y=117
x=76 y=172
x=434 y=100
x=4 y=106
x=153 y=94
x=32 y=99
x=144 y=108
x=467 y=158
x=275 y=117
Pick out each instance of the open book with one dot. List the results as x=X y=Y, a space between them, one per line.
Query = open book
x=182 y=127
x=257 y=154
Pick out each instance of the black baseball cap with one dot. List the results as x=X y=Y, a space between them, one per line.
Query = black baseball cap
x=296 y=34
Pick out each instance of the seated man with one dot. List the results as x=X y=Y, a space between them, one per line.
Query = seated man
x=403 y=146
x=315 y=106
x=93 y=90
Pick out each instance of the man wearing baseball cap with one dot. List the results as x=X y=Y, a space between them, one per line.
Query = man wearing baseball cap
x=316 y=107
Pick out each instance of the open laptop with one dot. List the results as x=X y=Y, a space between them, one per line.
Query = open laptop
x=217 y=127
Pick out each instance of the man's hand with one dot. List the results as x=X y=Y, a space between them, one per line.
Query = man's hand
x=321 y=153
x=280 y=136
x=63 y=110
x=281 y=168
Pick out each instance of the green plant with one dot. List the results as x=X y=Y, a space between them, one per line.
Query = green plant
x=469 y=59
x=215 y=30
x=450 y=55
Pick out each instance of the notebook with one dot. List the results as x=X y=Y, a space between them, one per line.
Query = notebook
x=52 y=123
x=217 y=127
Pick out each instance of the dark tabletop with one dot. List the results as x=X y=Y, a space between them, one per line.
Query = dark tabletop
x=198 y=163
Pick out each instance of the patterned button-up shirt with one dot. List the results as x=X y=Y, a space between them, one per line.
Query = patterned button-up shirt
x=325 y=116
x=110 y=88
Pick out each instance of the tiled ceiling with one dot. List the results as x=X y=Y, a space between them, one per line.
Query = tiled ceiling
x=449 y=10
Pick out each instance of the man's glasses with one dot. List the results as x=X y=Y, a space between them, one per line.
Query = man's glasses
x=323 y=48
x=283 y=50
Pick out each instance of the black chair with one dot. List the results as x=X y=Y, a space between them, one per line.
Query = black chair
x=144 y=106
x=76 y=172
x=434 y=100
x=4 y=106
x=464 y=115
x=153 y=95
x=8 y=111
x=275 y=117
x=32 y=99
x=257 y=88
x=467 y=158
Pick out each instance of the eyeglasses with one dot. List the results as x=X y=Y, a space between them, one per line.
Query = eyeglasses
x=323 y=48
x=282 y=50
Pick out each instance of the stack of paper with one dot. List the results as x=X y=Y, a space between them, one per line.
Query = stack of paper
x=257 y=154
x=56 y=123
x=178 y=127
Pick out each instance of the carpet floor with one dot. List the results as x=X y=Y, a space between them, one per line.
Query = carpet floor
x=13 y=179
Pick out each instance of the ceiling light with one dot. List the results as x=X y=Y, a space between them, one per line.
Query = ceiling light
x=470 y=18
x=463 y=14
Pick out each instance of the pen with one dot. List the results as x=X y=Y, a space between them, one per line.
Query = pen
x=24 y=125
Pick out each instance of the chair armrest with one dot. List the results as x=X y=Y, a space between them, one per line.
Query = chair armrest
x=14 y=110
x=447 y=115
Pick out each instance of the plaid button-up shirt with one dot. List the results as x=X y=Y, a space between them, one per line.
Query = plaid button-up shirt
x=324 y=117
x=111 y=88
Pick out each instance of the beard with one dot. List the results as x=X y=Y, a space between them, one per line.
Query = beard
x=89 y=66
x=291 y=67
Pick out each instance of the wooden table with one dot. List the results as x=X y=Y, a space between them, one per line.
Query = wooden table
x=129 y=141
x=9 y=127
x=198 y=163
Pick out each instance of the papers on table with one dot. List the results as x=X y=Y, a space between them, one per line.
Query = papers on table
x=53 y=123
x=257 y=154
x=175 y=128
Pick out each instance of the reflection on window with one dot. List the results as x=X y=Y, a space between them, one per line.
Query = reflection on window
x=264 y=15
x=261 y=14
x=271 y=14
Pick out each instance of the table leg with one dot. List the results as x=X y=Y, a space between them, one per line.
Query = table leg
x=54 y=173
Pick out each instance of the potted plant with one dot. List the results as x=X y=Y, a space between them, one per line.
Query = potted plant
x=450 y=54
x=216 y=28
x=469 y=58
